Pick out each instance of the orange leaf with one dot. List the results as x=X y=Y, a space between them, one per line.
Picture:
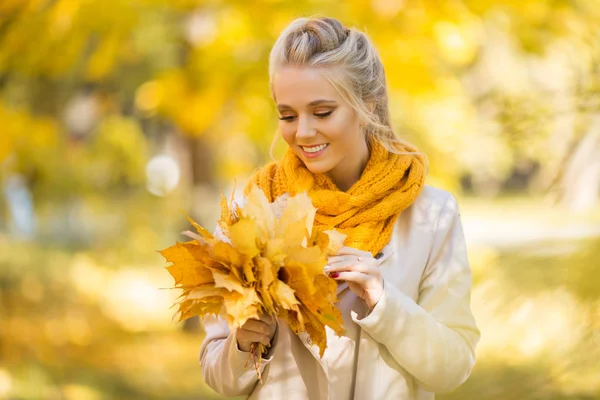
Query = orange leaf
x=243 y=237
x=187 y=268
x=202 y=231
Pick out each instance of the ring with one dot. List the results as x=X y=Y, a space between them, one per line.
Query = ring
x=358 y=258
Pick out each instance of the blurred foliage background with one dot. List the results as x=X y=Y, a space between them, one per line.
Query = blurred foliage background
x=117 y=114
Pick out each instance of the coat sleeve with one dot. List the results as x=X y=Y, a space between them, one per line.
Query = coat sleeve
x=434 y=339
x=224 y=364
x=225 y=367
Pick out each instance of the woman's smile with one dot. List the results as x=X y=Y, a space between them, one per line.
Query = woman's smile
x=314 y=151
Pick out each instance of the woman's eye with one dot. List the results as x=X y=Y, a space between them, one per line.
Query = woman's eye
x=324 y=114
x=291 y=117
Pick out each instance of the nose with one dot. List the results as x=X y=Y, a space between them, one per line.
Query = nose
x=304 y=129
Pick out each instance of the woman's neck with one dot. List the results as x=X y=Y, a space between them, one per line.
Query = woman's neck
x=346 y=174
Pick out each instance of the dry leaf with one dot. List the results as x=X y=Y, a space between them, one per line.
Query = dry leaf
x=336 y=241
x=263 y=258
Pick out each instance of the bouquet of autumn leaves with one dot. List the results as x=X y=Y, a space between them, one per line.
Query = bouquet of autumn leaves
x=267 y=259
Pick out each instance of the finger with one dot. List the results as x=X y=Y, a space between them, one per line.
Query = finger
x=352 y=251
x=338 y=267
x=267 y=319
x=257 y=326
x=345 y=257
x=351 y=259
x=248 y=337
x=351 y=276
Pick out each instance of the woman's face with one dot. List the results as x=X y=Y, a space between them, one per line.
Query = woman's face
x=318 y=125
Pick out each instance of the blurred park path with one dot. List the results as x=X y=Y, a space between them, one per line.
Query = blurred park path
x=536 y=300
x=522 y=222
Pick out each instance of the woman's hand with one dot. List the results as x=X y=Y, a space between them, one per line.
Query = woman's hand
x=361 y=270
x=256 y=331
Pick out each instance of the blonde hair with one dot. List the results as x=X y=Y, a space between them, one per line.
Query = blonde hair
x=349 y=62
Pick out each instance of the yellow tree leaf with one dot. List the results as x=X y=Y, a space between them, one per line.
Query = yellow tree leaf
x=226 y=255
x=326 y=297
x=240 y=309
x=300 y=208
x=265 y=265
x=188 y=260
x=266 y=274
x=203 y=291
x=229 y=282
x=293 y=318
x=284 y=295
x=295 y=224
x=192 y=308
x=248 y=269
x=202 y=231
x=266 y=271
x=228 y=216
x=295 y=275
x=275 y=251
x=243 y=237
x=278 y=206
x=315 y=329
x=258 y=209
x=321 y=240
x=336 y=241
x=311 y=257
x=294 y=234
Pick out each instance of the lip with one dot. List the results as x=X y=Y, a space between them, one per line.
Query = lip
x=317 y=154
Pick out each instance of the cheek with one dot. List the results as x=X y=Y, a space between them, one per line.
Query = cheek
x=343 y=130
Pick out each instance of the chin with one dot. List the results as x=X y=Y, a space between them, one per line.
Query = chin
x=318 y=167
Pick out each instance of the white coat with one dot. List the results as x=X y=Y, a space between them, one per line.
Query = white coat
x=419 y=339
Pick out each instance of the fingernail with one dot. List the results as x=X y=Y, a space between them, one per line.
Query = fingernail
x=327 y=268
x=334 y=275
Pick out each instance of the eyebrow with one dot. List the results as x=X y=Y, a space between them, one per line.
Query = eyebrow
x=312 y=103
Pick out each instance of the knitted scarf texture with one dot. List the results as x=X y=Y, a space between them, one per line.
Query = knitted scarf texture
x=367 y=211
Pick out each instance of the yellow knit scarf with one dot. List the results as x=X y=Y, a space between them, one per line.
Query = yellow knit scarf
x=368 y=210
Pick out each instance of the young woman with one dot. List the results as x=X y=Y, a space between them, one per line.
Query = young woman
x=404 y=279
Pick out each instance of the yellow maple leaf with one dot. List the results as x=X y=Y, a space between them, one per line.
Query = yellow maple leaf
x=229 y=282
x=186 y=268
x=240 y=309
x=265 y=259
x=267 y=276
x=275 y=251
x=279 y=205
x=300 y=208
x=312 y=258
x=248 y=270
x=206 y=306
x=296 y=222
x=335 y=243
x=202 y=291
x=284 y=295
x=225 y=255
x=202 y=231
x=314 y=328
x=243 y=237
x=326 y=297
x=258 y=209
